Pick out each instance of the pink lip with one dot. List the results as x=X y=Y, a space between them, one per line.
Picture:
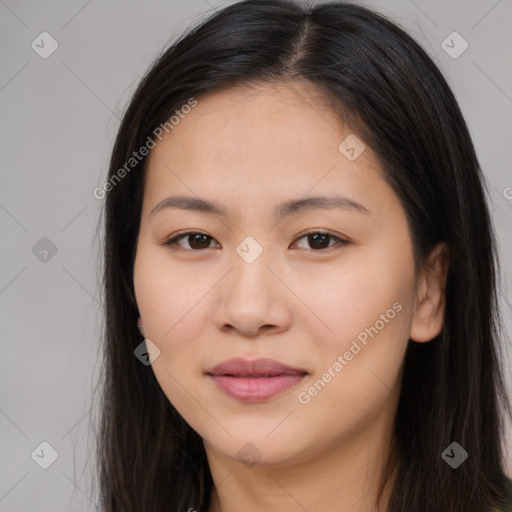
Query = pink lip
x=254 y=381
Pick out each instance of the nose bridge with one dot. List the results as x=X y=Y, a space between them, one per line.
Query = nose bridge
x=250 y=261
x=250 y=296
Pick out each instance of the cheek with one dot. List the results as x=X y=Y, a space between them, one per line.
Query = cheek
x=358 y=375
x=169 y=298
x=342 y=303
x=372 y=317
x=369 y=309
x=169 y=302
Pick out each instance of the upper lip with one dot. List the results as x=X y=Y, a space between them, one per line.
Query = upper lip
x=258 y=367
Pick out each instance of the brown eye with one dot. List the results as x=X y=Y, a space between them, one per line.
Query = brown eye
x=319 y=240
x=196 y=240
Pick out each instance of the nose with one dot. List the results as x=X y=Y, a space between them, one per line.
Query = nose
x=253 y=299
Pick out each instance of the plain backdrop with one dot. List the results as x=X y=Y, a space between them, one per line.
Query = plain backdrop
x=58 y=119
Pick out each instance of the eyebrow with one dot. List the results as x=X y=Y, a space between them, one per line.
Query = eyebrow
x=281 y=210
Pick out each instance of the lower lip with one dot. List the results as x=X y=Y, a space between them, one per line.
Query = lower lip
x=255 y=389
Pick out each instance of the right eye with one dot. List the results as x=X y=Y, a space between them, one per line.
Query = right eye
x=196 y=241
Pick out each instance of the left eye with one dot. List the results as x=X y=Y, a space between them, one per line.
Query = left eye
x=197 y=238
x=320 y=240
x=317 y=240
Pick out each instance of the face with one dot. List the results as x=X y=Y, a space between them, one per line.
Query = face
x=324 y=288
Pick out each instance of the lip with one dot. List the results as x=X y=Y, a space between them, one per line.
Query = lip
x=254 y=381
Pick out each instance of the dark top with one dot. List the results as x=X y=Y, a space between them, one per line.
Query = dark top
x=507 y=505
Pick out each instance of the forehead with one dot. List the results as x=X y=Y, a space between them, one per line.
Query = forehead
x=275 y=115
x=260 y=143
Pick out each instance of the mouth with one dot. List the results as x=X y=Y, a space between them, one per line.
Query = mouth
x=254 y=381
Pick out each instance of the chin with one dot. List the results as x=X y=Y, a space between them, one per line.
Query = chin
x=253 y=448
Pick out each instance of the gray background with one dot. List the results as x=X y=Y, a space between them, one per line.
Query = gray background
x=59 y=116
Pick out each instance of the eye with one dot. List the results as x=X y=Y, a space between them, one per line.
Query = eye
x=319 y=240
x=195 y=239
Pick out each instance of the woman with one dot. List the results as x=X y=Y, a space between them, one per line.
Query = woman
x=300 y=277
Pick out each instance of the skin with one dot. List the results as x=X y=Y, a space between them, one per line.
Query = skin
x=250 y=149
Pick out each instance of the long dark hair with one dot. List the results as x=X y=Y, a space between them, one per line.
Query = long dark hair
x=380 y=80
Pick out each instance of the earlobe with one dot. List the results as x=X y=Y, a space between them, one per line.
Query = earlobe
x=140 y=325
x=428 y=317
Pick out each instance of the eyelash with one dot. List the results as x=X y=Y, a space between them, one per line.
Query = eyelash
x=174 y=240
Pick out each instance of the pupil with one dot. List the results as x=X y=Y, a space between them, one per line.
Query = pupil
x=197 y=238
x=315 y=237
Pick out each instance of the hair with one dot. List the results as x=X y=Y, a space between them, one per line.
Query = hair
x=379 y=80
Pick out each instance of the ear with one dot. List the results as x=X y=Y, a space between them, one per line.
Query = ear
x=430 y=298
